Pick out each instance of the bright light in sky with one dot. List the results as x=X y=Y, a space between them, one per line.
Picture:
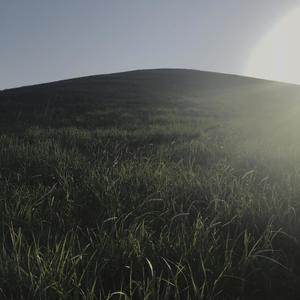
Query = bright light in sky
x=42 y=41
x=277 y=55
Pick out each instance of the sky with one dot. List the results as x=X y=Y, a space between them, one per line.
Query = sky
x=43 y=40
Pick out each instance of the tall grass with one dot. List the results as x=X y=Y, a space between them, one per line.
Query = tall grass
x=145 y=214
x=154 y=202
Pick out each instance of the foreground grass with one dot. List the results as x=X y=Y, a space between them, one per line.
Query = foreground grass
x=160 y=203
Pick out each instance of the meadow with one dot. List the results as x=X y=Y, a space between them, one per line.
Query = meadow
x=162 y=184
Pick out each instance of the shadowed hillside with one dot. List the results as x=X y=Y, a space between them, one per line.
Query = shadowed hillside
x=154 y=184
x=77 y=102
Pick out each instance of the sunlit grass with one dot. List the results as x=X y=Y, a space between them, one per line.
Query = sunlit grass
x=167 y=203
x=147 y=213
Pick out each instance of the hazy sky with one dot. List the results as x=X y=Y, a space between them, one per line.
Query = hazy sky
x=54 y=39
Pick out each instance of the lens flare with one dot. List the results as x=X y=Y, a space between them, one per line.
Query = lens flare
x=277 y=55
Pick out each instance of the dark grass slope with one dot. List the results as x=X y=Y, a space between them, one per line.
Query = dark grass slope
x=52 y=102
x=154 y=184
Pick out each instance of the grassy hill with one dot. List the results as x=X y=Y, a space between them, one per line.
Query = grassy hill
x=151 y=184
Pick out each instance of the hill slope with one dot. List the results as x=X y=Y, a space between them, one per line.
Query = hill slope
x=74 y=102
x=155 y=184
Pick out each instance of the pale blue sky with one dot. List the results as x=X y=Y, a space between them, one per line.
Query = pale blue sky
x=43 y=41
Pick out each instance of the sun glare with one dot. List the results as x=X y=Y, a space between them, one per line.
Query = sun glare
x=277 y=55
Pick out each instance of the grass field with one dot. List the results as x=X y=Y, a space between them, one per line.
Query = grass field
x=158 y=184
